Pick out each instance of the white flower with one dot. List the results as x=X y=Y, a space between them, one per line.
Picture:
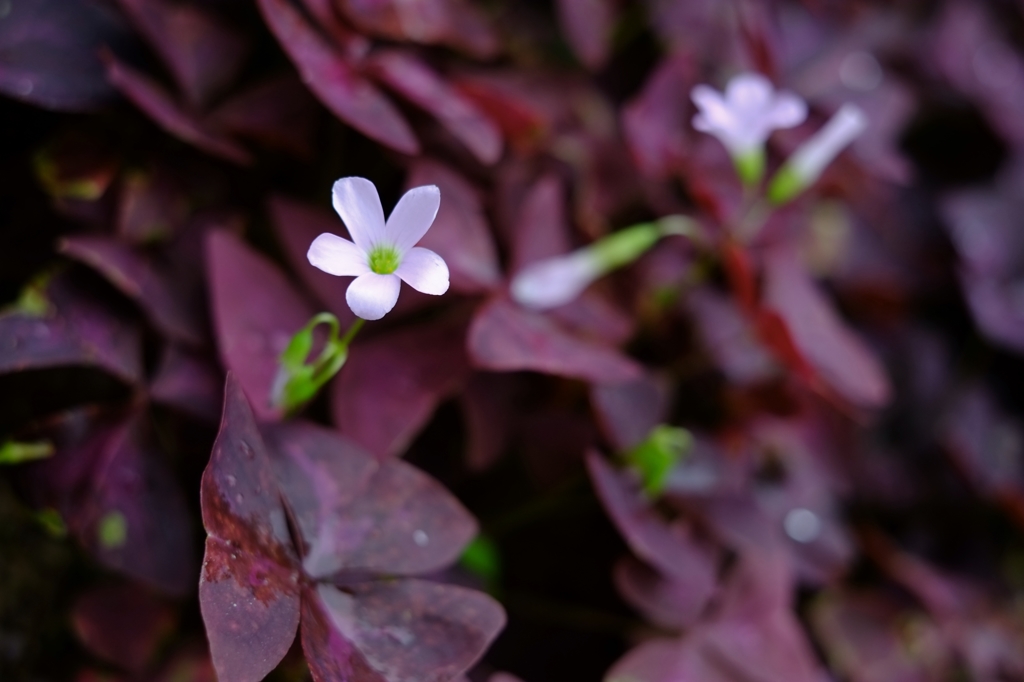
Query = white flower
x=381 y=255
x=748 y=113
x=807 y=163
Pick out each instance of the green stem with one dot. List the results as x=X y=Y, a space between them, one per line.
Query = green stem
x=352 y=331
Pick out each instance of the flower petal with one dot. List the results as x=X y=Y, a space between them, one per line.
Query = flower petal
x=356 y=201
x=372 y=296
x=749 y=92
x=714 y=113
x=424 y=271
x=788 y=110
x=412 y=217
x=337 y=256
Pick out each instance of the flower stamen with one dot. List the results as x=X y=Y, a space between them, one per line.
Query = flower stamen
x=384 y=260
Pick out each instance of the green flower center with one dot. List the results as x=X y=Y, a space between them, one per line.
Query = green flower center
x=384 y=260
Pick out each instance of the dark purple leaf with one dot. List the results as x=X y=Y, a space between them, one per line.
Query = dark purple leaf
x=512 y=105
x=666 y=547
x=541 y=228
x=983 y=227
x=278 y=113
x=159 y=105
x=202 y=53
x=504 y=337
x=319 y=474
x=970 y=49
x=988 y=641
x=654 y=124
x=398 y=631
x=188 y=382
x=335 y=82
x=772 y=648
x=143 y=279
x=703 y=28
x=804 y=505
x=592 y=316
x=239 y=494
x=415 y=81
x=48 y=53
x=374 y=16
x=866 y=639
x=628 y=411
x=836 y=353
x=730 y=338
x=457 y=23
x=753 y=637
x=995 y=309
x=669 y=602
x=460 y=233
x=122 y=624
x=256 y=310
x=63 y=481
x=667 y=660
x=78 y=331
x=250 y=606
x=136 y=520
x=391 y=384
x=588 y=25
x=986 y=444
x=151 y=207
x=361 y=516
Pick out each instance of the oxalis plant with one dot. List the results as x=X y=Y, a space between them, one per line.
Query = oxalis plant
x=309 y=532
x=631 y=371
x=305 y=528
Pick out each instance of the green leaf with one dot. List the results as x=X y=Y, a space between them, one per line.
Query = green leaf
x=15 y=452
x=52 y=523
x=113 y=530
x=481 y=557
x=656 y=457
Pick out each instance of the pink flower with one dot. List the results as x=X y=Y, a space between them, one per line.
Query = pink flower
x=381 y=254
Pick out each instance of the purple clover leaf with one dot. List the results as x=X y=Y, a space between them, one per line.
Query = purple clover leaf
x=306 y=527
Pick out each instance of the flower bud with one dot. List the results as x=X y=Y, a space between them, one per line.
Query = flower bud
x=556 y=281
x=807 y=163
x=297 y=381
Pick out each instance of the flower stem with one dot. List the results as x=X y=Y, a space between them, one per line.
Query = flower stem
x=351 y=333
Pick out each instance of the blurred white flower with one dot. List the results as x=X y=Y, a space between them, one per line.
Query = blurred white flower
x=381 y=254
x=807 y=163
x=744 y=116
